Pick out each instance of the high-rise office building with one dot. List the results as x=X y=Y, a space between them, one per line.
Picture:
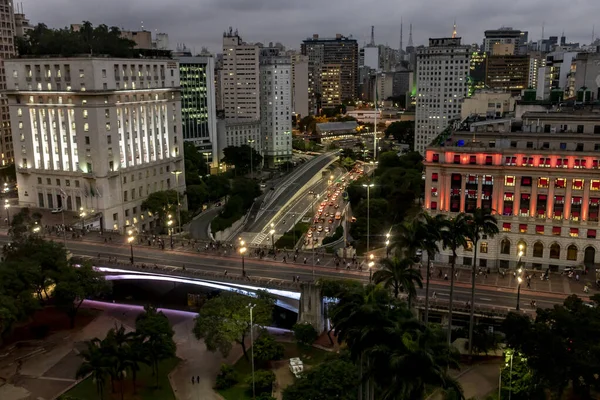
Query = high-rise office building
x=507 y=72
x=327 y=53
x=505 y=35
x=331 y=81
x=96 y=134
x=7 y=50
x=240 y=80
x=442 y=71
x=276 y=109
x=198 y=111
x=22 y=25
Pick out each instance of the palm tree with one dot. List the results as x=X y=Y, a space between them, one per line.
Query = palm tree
x=482 y=222
x=96 y=364
x=408 y=239
x=454 y=236
x=430 y=235
x=398 y=274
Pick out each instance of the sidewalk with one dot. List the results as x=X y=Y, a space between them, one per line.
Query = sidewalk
x=477 y=381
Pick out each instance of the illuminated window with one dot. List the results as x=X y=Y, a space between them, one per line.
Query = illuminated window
x=85 y=113
x=595 y=185
x=483 y=247
x=509 y=181
x=434 y=177
x=539 y=229
x=560 y=183
x=506 y=227
x=543 y=182
x=577 y=184
x=434 y=205
x=574 y=232
x=523 y=228
x=86 y=127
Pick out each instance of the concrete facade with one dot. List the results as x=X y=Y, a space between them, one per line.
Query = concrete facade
x=487 y=104
x=442 y=69
x=240 y=79
x=7 y=50
x=96 y=134
x=238 y=133
x=544 y=188
x=299 y=85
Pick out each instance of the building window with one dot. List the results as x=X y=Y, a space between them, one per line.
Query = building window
x=505 y=246
x=572 y=253
x=560 y=183
x=87 y=140
x=543 y=182
x=509 y=181
x=574 y=232
x=483 y=247
x=539 y=229
x=577 y=184
x=434 y=205
x=506 y=227
x=523 y=228
x=538 y=250
x=434 y=177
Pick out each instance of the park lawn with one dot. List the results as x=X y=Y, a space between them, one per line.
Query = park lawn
x=309 y=355
x=86 y=390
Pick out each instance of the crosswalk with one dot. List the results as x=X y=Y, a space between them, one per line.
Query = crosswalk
x=258 y=239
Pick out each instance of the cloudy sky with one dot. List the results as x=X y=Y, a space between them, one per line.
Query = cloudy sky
x=199 y=23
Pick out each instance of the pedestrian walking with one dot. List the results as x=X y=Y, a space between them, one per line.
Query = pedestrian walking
x=304 y=260
x=445 y=277
x=192 y=380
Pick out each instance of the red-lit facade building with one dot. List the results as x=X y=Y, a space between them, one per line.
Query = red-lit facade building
x=540 y=177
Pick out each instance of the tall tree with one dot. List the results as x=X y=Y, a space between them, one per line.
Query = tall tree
x=74 y=285
x=155 y=331
x=162 y=204
x=454 y=236
x=430 y=235
x=242 y=158
x=407 y=240
x=481 y=223
x=94 y=363
x=225 y=319
x=399 y=275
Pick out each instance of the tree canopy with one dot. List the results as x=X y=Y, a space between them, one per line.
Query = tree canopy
x=402 y=131
x=161 y=203
x=241 y=157
x=225 y=319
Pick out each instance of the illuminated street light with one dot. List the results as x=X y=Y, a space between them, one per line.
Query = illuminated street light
x=6 y=207
x=243 y=250
x=387 y=244
x=130 y=240
x=169 y=224
x=272 y=232
x=368 y=186
x=371 y=264
x=177 y=173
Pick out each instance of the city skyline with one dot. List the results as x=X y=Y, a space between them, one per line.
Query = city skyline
x=201 y=24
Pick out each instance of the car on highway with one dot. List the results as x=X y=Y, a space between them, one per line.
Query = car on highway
x=309 y=234
x=353 y=219
x=56 y=211
x=331 y=204
x=330 y=220
x=313 y=228
x=323 y=204
x=327 y=229
x=320 y=228
x=336 y=206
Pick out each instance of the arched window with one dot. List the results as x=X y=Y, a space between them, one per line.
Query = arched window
x=555 y=251
x=538 y=249
x=522 y=247
x=572 y=253
x=505 y=247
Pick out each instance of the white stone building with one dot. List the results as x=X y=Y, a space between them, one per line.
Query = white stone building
x=276 y=109
x=97 y=134
x=541 y=183
x=442 y=70
x=238 y=133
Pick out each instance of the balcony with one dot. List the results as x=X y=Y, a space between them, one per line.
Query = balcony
x=23 y=170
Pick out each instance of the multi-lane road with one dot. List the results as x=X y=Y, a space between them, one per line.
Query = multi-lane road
x=267 y=268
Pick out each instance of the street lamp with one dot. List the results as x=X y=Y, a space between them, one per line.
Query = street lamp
x=177 y=173
x=387 y=244
x=519 y=278
x=130 y=240
x=6 y=207
x=243 y=250
x=82 y=215
x=251 y=142
x=36 y=228
x=368 y=186
x=251 y=307
x=371 y=264
x=272 y=232
x=169 y=223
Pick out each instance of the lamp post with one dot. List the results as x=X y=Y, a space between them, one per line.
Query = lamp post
x=371 y=265
x=272 y=232
x=130 y=240
x=177 y=173
x=251 y=142
x=82 y=215
x=169 y=224
x=7 y=207
x=251 y=307
x=242 y=252
x=519 y=278
x=387 y=244
x=368 y=186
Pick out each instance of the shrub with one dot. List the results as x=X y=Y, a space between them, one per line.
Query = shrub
x=263 y=382
x=305 y=334
x=267 y=349
x=226 y=378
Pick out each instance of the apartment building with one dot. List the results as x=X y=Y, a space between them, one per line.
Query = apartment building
x=442 y=70
x=541 y=179
x=240 y=78
x=341 y=51
x=97 y=134
x=299 y=85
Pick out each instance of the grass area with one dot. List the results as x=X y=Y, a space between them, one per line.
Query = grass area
x=144 y=385
x=243 y=368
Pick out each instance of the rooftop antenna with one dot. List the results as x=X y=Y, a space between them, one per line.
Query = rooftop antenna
x=454 y=30
x=372 y=35
x=593 y=35
x=542 y=41
x=410 y=42
x=401 y=31
x=142 y=25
